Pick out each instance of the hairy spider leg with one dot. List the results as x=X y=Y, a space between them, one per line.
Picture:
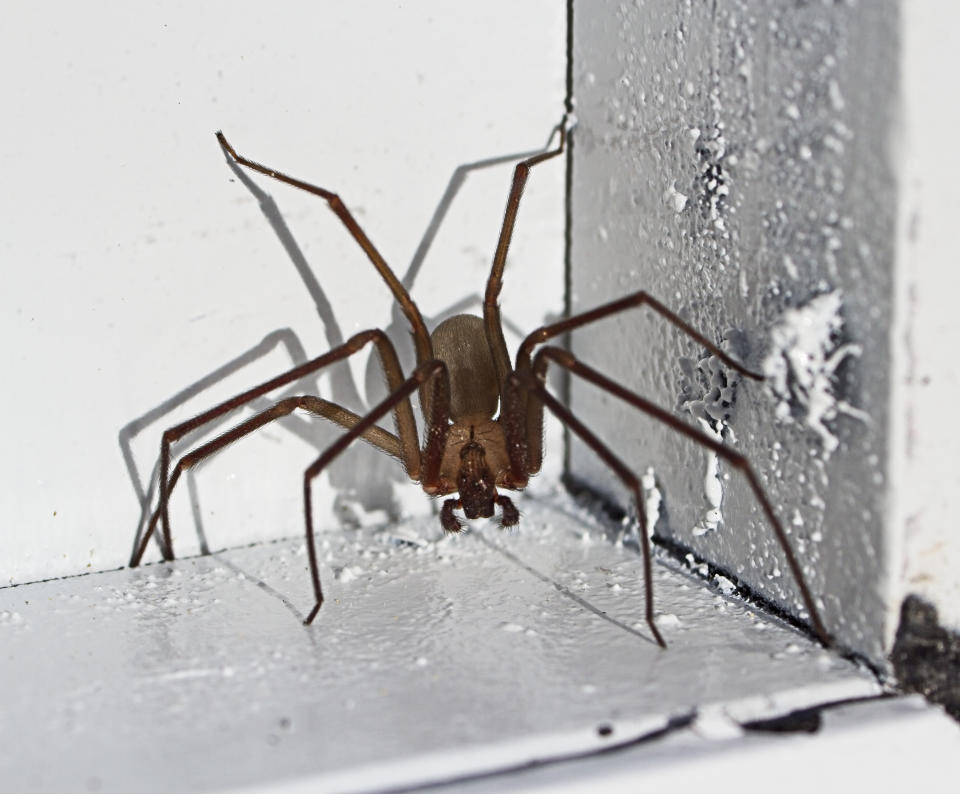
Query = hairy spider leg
x=534 y=410
x=406 y=425
x=534 y=381
x=623 y=472
x=421 y=337
x=281 y=339
x=435 y=370
x=491 y=309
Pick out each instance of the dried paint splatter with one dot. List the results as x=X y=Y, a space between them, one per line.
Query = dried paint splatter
x=803 y=359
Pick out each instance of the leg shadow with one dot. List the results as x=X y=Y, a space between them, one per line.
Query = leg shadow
x=367 y=477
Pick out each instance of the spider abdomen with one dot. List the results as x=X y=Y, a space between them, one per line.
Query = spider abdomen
x=461 y=342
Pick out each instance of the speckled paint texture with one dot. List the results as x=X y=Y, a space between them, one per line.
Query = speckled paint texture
x=732 y=159
x=432 y=658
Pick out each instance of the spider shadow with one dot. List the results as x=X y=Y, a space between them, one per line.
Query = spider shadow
x=145 y=487
x=367 y=477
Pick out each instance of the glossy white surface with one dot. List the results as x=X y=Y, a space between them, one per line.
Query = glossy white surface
x=431 y=659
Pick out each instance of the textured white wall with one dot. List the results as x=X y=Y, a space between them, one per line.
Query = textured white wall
x=924 y=432
x=734 y=159
x=136 y=265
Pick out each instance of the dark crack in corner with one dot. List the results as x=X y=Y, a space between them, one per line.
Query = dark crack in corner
x=926 y=656
x=806 y=720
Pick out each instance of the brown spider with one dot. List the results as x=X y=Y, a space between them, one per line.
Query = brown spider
x=463 y=374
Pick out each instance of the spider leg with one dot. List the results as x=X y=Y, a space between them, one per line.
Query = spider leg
x=380 y=438
x=401 y=395
x=406 y=425
x=437 y=414
x=509 y=515
x=421 y=337
x=491 y=309
x=448 y=520
x=620 y=469
x=534 y=424
x=457 y=180
x=633 y=301
x=146 y=491
x=534 y=382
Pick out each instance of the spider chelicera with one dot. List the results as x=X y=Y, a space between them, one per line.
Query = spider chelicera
x=463 y=375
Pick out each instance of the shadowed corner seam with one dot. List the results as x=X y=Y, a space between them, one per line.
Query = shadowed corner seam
x=689 y=561
x=568 y=225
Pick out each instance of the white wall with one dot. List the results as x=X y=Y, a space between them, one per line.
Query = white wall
x=924 y=432
x=737 y=160
x=136 y=265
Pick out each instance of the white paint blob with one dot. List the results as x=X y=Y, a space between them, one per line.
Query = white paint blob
x=712 y=486
x=800 y=367
x=652 y=499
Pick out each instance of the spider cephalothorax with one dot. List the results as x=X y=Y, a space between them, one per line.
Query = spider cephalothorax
x=463 y=375
x=476 y=484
